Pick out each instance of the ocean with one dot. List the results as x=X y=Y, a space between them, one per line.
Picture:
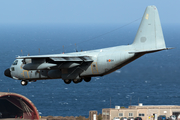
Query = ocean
x=152 y=79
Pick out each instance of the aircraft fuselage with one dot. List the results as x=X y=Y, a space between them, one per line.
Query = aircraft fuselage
x=104 y=61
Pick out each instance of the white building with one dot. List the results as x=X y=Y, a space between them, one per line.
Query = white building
x=146 y=112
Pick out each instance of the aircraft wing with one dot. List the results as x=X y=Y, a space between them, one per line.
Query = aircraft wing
x=59 y=57
x=58 y=61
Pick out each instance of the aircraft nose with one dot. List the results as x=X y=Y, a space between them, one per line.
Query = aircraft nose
x=7 y=73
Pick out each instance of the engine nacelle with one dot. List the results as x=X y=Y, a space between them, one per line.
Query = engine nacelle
x=54 y=74
x=38 y=66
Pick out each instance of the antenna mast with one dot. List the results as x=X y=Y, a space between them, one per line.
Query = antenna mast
x=39 y=51
x=110 y=102
x=22 y=52
x=76 y=47
x=63 y=49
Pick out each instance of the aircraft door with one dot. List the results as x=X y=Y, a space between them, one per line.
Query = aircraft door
x=15 y=69
x=24 y=73
x=94 y=68
x=155 y=116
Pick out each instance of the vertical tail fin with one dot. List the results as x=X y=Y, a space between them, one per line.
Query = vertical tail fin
x=149 y=36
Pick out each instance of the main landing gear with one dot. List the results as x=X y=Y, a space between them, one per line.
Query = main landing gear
x=87 y=79
x=68 y=81
x=77 y=80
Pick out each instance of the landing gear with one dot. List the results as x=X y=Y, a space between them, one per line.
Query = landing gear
x=80 y=80
x=24 y=82
x=87 y=79
x=77 y=80
x=67 y=81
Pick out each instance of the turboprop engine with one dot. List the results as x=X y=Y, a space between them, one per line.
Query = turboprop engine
x=38 y=66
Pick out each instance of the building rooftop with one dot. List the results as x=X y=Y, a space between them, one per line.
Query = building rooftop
x=141 y=106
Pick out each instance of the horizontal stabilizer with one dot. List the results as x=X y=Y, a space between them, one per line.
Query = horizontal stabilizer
x=149 y=51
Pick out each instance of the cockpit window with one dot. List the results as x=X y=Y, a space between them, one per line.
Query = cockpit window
x=12 y=68
x=15 y=62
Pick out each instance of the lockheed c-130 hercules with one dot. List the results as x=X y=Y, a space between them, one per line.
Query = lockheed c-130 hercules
x=84 y=65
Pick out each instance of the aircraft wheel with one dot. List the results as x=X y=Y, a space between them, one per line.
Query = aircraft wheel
x=24 y=82
x=87 y=79
x=67 y=81
x=76 y=81
x=80 y=80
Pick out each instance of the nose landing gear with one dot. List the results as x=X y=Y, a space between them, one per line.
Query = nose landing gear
x=24 y=82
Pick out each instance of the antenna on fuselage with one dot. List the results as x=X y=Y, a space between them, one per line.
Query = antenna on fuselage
x=39 y=51
x=22 y=52
x=63 y=49
x=76 y=47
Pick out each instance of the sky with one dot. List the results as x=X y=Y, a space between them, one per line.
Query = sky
x=84 y=11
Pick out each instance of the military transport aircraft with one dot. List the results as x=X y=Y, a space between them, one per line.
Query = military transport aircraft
x=84 y=65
